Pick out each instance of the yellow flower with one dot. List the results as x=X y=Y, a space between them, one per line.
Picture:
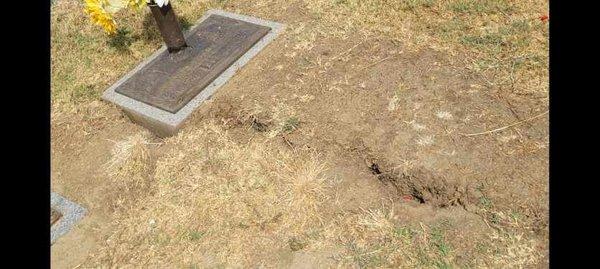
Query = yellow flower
x=136 y=4
x=97 y=9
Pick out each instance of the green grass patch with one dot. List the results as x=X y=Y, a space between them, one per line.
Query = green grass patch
x=290 y=124
x=480 y=7
x=439 y=242
x=485 y=202
x=495 y=218
x=521 y=26
x=121 y=40
x=450 y=28
x=483 y=41
x=195 y=235
x=415 y=4
x=83 y=93
x=515 y=215
x=404 y=232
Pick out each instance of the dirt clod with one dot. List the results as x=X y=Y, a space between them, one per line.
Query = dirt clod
x=427 y=187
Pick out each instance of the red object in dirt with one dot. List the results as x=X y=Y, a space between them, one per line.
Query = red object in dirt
x=544 y=18
x=407 y=198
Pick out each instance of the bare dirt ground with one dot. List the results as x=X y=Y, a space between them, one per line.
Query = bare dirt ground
x=369 y=134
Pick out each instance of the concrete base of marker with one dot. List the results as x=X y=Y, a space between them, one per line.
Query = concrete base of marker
x=159 y=128
x=70 y=212
x=163 y=123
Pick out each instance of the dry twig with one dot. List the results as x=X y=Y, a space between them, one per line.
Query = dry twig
x=508 y=126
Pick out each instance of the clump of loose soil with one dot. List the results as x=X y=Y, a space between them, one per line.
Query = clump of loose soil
x=427 y=187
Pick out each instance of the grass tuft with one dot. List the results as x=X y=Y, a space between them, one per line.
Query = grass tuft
x=121 y=40
x=290 y=125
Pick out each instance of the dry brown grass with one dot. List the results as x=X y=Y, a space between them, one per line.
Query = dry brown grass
x=502 y=40
x=237 y=203
x=214 y=200
x=129 y=157
x=240 y=204
x=129 y=170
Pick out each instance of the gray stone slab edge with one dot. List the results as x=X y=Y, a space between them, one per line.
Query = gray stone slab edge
x=164 y=123
x=71 y=214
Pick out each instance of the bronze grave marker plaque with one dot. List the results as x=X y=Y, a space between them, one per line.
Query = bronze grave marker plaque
x=171 y=80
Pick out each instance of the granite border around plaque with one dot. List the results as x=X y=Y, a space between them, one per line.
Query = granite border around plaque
x=164 y=123
x=70 y=212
